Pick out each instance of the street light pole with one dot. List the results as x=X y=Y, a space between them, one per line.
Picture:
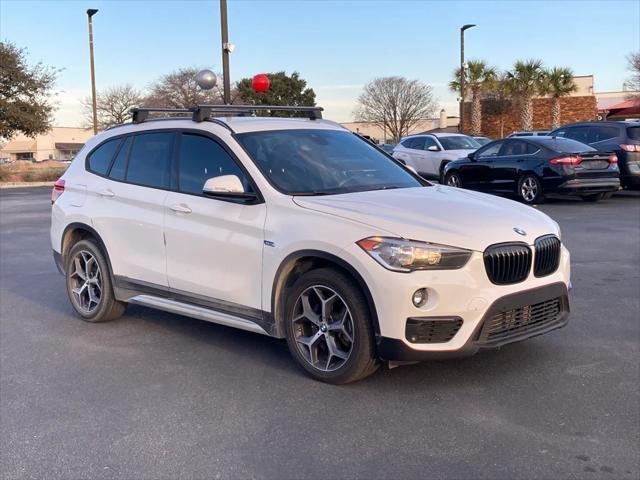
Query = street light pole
x=462 y=74
x=90 y=13
x=224 y=29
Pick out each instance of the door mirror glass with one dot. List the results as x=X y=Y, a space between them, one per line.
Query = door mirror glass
x=223 y=185
x=433 y=148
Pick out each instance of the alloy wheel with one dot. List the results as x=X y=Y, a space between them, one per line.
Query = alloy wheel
x=453 y=181
x=323 y=328
x=529 y=189
x=86 y=281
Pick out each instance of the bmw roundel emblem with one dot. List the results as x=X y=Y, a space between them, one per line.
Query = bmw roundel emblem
x=519 y=231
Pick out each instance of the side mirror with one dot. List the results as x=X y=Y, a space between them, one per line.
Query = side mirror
x=472 y=156
x=226 y=186
x=412 y=169
x=433 y=148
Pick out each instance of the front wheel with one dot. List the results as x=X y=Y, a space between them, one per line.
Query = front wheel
x=530 y=190
x=328 y=327
x=453 y=180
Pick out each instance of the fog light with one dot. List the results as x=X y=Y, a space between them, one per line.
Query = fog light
x=420 y=297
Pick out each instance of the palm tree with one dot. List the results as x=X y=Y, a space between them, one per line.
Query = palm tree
x=558 y=82
x=525 y=82
x=478 y=78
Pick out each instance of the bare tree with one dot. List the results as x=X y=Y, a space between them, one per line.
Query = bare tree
x=113 y=106
x=497 y=101
x=179 y=89
x=632 y=84
x=395 y=104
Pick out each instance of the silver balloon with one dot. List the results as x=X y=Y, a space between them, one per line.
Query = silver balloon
x=206 y=79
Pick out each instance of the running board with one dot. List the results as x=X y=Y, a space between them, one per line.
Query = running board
x=194 y=311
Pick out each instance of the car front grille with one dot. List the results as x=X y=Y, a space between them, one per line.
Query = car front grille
x=505 y=326
x=547 y=256
x=507 y=263
x=432 y=330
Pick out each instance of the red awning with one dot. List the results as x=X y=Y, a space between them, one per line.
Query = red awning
x=628 y=107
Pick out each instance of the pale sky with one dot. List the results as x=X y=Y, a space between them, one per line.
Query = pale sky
x=337 y=46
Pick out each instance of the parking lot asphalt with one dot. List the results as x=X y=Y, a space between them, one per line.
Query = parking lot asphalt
x=155 y=395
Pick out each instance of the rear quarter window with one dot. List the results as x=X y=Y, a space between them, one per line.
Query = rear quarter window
x=633 y=133
x=100 y=159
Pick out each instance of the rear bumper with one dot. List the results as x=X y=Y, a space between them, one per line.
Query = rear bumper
x=396 y=350
x=579 y=186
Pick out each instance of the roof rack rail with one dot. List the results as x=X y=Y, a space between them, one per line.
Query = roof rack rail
x=139 y=115
x=203 y=112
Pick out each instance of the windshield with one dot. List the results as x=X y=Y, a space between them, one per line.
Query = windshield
x=323 y=162
x=458 y=142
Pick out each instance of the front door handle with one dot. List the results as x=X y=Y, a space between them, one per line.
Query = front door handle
x=181 y=208
x=107 y=193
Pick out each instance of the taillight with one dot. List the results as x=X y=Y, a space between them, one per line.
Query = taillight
x=570 y=160
x=58 y=189
x=630 y=148
x=613 y=158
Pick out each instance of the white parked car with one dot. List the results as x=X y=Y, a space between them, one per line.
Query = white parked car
x=429 y=153
x=297 y=228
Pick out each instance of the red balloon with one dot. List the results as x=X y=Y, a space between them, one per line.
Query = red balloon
x=260 y=83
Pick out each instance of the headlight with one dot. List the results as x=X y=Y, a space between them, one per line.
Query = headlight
x=406 y=255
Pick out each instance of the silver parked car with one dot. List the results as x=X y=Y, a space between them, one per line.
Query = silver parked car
x=429 y=153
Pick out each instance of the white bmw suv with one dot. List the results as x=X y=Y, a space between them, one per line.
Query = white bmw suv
x=299 y=229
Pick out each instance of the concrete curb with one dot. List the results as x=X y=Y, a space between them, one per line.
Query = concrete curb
x=26 y=184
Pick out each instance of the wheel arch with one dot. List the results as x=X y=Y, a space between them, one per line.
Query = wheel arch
x=296 y=264
x=77 y=231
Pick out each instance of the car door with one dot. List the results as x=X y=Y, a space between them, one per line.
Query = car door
x=433 y=155
x=505 y=167
x=127 y=205
x=476 y=173
x=214 y=245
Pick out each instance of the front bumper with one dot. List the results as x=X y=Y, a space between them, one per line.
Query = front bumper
x=465 y=294
x=482 y=337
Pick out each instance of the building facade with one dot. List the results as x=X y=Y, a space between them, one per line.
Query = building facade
x=59 y=143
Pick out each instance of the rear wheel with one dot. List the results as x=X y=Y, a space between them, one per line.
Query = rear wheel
x=328 y=327
x=530 y=189
x=594 y=197
x=89 y=283
x=453 y=180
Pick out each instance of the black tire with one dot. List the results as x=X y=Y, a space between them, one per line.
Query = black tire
x=362 y=360
x=442 y=165
x=530 y=189
x=594 y=197
x=107 y=308
x=453 y=179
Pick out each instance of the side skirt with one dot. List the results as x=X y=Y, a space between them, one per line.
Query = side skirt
x=194 y=311
x=196 y=306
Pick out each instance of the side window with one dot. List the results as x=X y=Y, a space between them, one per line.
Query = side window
x=602 y=133
x=531 y=149
x=100 y=159
x=513 y=148
x=430 y=142
x=490 y=150
x=120 y=163
x=407 y=143
x=418 y=143
x=579 y=134
x=150 y=159
x=202 y=158
x=562 y=133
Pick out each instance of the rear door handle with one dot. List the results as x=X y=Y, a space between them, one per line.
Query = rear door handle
x=107 y=193
x=181 y=208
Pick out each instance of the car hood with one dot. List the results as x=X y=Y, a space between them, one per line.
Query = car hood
x=438 y=214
